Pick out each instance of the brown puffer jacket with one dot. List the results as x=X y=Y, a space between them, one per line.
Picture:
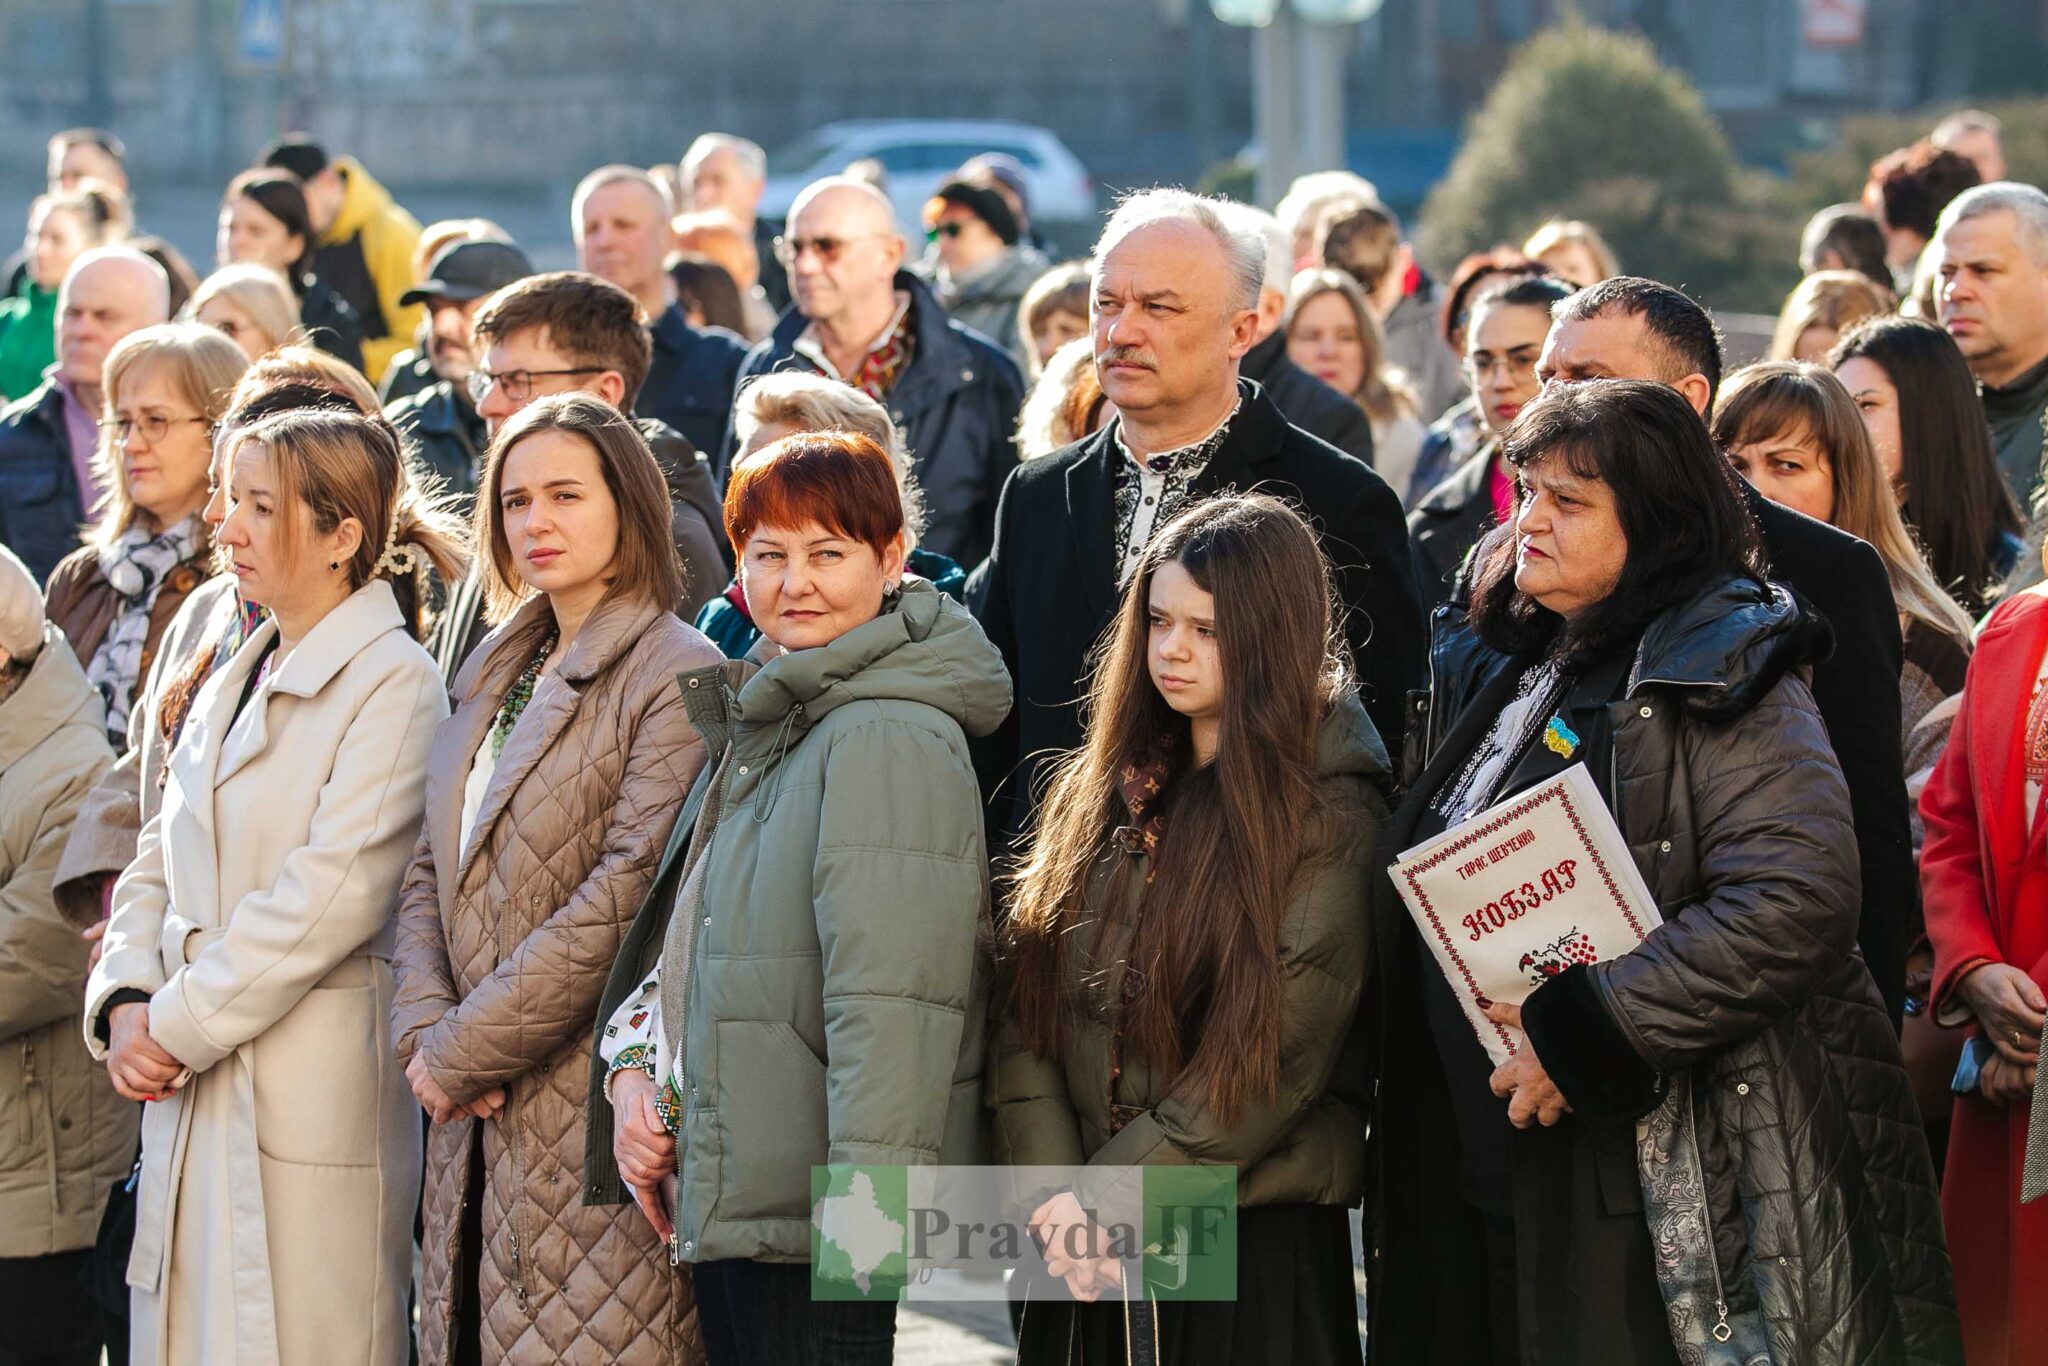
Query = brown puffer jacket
x=503 y=948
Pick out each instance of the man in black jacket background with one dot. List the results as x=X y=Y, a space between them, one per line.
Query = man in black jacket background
x=1175 y=309
x=1631 y=328
x=862 y=318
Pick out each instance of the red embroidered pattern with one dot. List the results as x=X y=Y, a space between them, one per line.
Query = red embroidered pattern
x=1482 y=834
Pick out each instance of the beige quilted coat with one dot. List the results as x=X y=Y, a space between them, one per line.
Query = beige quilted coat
x=503 y=949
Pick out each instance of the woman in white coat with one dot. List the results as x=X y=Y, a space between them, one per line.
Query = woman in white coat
x=246 y=985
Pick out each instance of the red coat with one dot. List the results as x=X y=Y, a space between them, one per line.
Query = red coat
x=1984 y=880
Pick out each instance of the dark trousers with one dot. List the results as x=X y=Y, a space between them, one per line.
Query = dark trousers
x=47 y=1314
x=762 y=1314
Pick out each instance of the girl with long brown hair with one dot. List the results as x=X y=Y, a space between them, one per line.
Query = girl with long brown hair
x=1187 y=935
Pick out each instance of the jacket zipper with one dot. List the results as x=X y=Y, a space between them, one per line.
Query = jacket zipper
x=1721 y=1331
x=714 y=811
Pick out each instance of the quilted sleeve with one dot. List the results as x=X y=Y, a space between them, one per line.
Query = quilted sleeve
x=1777 y=860
x=899 y=890
x=423 y=981
x=545 y=993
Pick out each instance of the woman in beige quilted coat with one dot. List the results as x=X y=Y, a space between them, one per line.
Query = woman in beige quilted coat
x=550 y=794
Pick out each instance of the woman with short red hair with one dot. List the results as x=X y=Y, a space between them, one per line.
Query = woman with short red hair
x=803 y=985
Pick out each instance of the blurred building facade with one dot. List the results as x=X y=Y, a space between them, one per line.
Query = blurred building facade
x=514 y=92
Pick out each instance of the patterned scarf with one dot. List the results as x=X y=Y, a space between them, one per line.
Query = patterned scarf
x=1143 y=785
x=135 y=568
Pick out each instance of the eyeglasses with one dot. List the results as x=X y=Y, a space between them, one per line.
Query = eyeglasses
x=951 y=228
x=155 y=426
x=518 y=384
x=789 y=250
x=1477 y=368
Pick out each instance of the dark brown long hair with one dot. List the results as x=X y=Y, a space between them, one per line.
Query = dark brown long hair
x=1204 y=951
x=1956 y=500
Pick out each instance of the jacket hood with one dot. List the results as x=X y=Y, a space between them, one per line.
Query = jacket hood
x=1729 y=646
x=1349 y=744
x=362 y=199
x=55 y=694
x=1006 y=277
x=926 y=648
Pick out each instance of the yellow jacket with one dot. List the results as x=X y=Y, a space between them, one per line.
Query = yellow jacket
x=387 y=236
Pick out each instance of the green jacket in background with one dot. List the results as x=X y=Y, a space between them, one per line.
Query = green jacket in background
x=28 y=340
x=836 y=990
x=1305 y=1145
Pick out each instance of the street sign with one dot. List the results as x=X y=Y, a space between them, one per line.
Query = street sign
x=260 y=34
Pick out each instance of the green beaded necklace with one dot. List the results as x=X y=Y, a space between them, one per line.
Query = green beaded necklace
x=515 y=701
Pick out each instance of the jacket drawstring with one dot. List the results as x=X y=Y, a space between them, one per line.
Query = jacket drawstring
x=783 y=735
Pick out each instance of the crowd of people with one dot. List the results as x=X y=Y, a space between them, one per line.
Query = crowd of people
x=503 y=772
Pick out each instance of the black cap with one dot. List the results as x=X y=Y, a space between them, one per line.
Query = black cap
x=985 y=204
x=294 y=152
x=469 y=270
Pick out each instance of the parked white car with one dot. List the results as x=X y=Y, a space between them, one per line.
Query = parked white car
x=920 y=154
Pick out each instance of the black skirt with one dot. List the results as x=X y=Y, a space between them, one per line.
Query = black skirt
x=1296 y=1305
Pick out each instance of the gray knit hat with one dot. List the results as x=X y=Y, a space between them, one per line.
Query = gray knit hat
x=21 y=608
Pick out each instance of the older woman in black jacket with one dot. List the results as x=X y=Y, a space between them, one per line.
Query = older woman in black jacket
x=1707 y=1150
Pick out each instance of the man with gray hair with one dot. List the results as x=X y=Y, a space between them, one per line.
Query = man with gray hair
x=620 y=218
x=1175 y=308
x=1993 y=300
x=861 y=318
x=1974 y=134
x=727 y=174
x=1303 y=399
x=48 y=484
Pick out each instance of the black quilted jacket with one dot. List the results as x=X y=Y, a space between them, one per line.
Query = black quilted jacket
x=1751 y=995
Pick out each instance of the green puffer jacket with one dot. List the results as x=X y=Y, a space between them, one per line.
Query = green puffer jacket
x=1306 y=1145
x=835 y=998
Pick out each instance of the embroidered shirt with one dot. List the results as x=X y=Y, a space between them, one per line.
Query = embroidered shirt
x=1151 y=490
x=888 y=355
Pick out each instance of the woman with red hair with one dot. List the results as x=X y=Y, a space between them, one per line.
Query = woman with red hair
x=803 y=986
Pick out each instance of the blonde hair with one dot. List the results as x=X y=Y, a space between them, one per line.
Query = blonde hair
x=1384 y=392
x=1063 y=403
x=1573 y=232
x=259 y=292
x=201 y=365
x=1836 y=299
x=301 y=364
x=805 y=402
x=334 y=466
x=1789 y=399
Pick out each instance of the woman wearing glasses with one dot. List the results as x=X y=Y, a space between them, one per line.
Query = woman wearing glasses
x=166 y=387
x=1502 y=342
